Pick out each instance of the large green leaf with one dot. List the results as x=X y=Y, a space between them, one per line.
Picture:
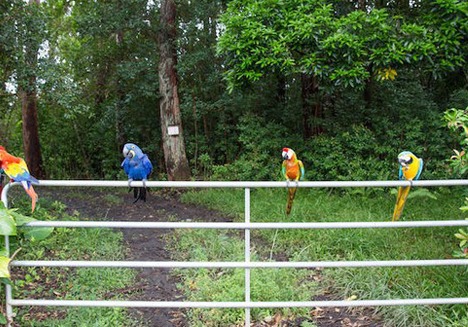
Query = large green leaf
x=4 y=271
x=7 y=223
x=32 y=233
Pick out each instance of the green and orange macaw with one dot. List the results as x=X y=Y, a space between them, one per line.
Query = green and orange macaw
x=410 y=169
x=293 y=170
x=17 y=170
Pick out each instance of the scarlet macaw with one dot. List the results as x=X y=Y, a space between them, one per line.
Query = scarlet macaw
x=137 y=166
x=17 y=170
x=410 y=169
x=293 y=170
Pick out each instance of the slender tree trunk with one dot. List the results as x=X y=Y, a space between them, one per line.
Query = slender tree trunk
x=369 y=87
x=362 y=4
x=311 y=106
x=120 y=138
x=195 y=127
x=31 y=144
x=28 y=95
x=171 y=123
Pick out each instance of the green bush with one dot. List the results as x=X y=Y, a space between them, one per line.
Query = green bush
x=260 y=158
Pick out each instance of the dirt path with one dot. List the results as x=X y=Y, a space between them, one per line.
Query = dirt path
x=149 y=245
x=145 y=244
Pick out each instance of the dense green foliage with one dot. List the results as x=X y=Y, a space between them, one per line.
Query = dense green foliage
x=383 y=76
x=457 y=121
x=347 y=86
x=346 y=48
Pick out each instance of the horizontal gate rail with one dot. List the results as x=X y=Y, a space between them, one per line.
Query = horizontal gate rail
x=220 y=184
x=191 y=225
x=239 y=305
x=247 y=226
x=240 y=264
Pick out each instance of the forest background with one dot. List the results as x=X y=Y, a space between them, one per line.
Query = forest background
x=347 y=84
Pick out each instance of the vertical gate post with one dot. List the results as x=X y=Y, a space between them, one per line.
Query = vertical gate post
x=8 y=296
x=247 y=256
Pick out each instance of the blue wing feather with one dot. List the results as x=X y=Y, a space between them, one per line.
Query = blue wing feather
x=137 y=168
x=421 y=164
x=148 y=166
x=126 y=166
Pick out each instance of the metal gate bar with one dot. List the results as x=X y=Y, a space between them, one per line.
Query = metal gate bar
x=247 y=264
x=191 y=225
x=239 y=305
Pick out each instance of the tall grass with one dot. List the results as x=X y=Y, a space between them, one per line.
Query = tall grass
x=267 y=205
x=71 y=283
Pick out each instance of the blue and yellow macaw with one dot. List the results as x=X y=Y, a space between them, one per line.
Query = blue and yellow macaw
x=293 y=170
x=410 y=169
x=138 y=167
x=17 y=170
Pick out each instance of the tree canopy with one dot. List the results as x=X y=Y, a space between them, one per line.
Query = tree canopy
x=347 y=85
x=347 y=48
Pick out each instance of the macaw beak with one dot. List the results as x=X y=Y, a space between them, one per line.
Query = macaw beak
x=405 y=162
x=128 y=153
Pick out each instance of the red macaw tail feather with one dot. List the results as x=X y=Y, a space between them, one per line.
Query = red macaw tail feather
x=32 y=194
x=400 y=203
x=291 y=194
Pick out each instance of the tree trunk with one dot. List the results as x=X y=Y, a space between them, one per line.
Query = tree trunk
x=28 y=95
x=31 y=144
x=369 y=87
x=120 y=138
x=362 y=5
x=171 y=123
x=195 y=127
x=311 y=106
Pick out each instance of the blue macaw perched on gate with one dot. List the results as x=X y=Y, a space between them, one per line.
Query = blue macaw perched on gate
x=138 y=167
x=293 y=170
x=410 y=169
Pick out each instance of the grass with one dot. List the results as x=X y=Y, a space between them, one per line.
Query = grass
x=228 y=284
x=267 y=205
x=71 y=283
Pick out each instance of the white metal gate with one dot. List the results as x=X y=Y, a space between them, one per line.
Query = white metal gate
x=247 y=265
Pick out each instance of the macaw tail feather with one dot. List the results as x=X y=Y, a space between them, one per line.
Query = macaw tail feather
x=1 y=182
x=291 y=194
x=400 y=203
x=139 y=193
x=32 y=194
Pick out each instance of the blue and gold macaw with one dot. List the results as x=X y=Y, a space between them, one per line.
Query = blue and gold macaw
x=410 y=169
x=17 y=170
x=293 y=170
x=138 y=167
